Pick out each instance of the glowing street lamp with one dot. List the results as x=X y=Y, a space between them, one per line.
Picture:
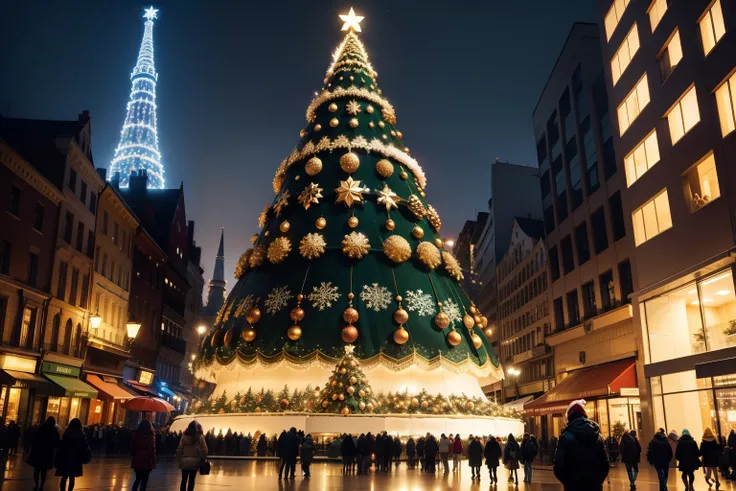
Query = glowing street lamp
x=95 y=321
x=201 y=329
x=132 y=327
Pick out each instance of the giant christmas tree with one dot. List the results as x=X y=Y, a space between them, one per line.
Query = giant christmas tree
x=138 y=147
x=349 y=252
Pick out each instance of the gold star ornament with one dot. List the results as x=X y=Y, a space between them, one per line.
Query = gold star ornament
x=282 y=202
x=351 y=21
x=349 y=192
x=310 y=195
x=387 y=198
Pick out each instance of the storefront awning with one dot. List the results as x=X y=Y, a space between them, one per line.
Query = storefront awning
x=72 y=387
x=518 y=404
x=588 y=383
x=108 y=391
x=143 y=390
x=24 y=379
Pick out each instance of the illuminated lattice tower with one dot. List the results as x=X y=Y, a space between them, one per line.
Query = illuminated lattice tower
x=138 y=147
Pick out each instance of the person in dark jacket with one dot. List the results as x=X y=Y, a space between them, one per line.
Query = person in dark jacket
x=511 y=456
x=411 y=452
x=492 y=453
x=364 y=454
x=475 y=456
x=529 y=450
x=307 y=454
x=659 y=455
x=291 y=452
x=421 y=443
x=711 y=451
x=13 y=438
x=630 y=451
x=261 y=446
x=687 y=453
x=143 y=453
x=280 y=452
x=72 y=454
x=45 y=441
x=731 y=443
x=348 y=451
x=430 y=454
x=581 y=461
x=398 y=448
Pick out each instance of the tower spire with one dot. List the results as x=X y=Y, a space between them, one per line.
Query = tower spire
x=138 y=148
x=216 y=292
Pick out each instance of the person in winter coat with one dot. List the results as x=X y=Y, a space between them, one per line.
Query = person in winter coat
x=492 y=453
x=73 y=452
x=581 y=461
x=143 y=453
x=41 y=458
x=398 y=448
x=430 y=453
x=280 y=451
x=672 y=439
x=711 y=451
x=659 y=455
x=190 y=453
x=421 y=443
x=347 y=451
x=444 y=448
x=411 y=452
x=511 y=456
x=364 y=454
x=291 y=452
x=13 y=438
x=731 y=443
x=261 y=446
x=630 y=451
x=475 y=456
x=687 y=453
x=457 y=452
x=529 y=450
x=307 y=454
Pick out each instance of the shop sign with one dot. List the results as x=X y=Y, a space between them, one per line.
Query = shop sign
x=630 y=392
x=57 y=369
x=18 y=363
x=145 y=378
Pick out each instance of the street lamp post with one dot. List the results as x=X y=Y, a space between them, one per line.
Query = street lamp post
x=515 y=372
x=132 y=327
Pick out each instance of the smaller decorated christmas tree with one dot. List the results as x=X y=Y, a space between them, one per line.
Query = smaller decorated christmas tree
x=347 y=391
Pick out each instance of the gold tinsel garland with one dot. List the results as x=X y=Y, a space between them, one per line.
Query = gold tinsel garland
x=351 y=45
x=397 y=249
x=355 y=245
x=352 y=91
x=263 y=217
x=428 y=254
x=279 y=249
x=312 y=246
x=452 y=266
x=242 y=265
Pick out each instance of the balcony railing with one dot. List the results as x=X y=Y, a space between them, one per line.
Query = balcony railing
x=173 y=343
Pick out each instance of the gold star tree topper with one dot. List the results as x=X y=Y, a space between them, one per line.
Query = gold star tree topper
x=351 y=21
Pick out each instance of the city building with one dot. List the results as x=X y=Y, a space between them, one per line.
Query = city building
x=589 y=248
x=108 y=347
x=193 y=311
x=670 y=73
x=28 y=227
x=464 y=251
x=514 y=192
x=524 y=320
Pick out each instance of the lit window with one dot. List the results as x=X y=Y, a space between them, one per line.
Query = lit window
x=625 y=53
x=633 y=104
x=614 y=16
x=671 y=55
x=712 y=27
x=641 y=158
x=726 y=98
x=701 y=183
x=684 y=115
x=656 y=12
x=652 y=218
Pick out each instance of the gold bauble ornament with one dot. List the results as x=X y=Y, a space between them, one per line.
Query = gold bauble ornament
x=429 y=255
x=334 y=122
x=442 y=320
x=320 y=223
x=401 y=336
x=349 y=162
x=477 y=341
x=473 y=309
x=488 y=331
x=454 y=338
x=257 y=256
x=312 y=246
x=353 y=123
x=438 y=242
x=334 y=397
x=369 y=108
x=333 y=383
x=253 y=238
x=477 y=319
x=397 y=249
x=294 y=333
x=470 y=405
x=353 y=222
x=341 y=397
x=393 y=133
x=278 y=250
x=381 y=124
x=353 y=364
x=248 y=335
x=369 y=407
x=361 y=393
x=284 y=226
x=325 y=404
x=401 y=316
x=342 y=371
x=368 y=391
x=229 y=337
x=317 y=127
x=284 y=403
x=253 y=315
x=452 y=266
x=424 y=404
x=417 y=232
x=332 y=107
x=416 y=206
x=242 y=266
x=350 y=315
x=349 y=334
x=390 y=224
x=258 y=409
x=404 y=176
x=400 y=135
x=361 y=405
x=350 y=390
x=353 y=380
x=468 y=321
x=313 y=166
x=345 y=411
x=484 y=321
x=414 y=401
x=355 y=245
x=384 y=168
x=302 y=133
x=371 y=124
x=421 y=193
x=296 y=314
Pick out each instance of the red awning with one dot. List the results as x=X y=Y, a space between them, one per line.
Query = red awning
x=108 y=391
x=588 y=383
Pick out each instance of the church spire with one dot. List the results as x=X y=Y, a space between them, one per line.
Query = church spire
x=216 y=292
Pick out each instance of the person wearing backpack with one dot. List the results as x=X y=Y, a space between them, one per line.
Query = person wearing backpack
x=511 y=456
x=630 y=451
x=581 y=461
x=529 y=451
x=72 y=454
x=190 y=453
x=659 y=455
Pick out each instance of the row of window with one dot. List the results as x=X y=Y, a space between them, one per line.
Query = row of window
x=72 y=184
x=78 y=292
x=113 y=315
x=508 y=285
x=6 y=252
x=524 y=295
x=117 y=276
x=520 y=322
x=14 y=208
x=26 y=336
x=124 y=244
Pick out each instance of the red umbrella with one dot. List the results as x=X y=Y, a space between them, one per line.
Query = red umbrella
x=148 y=404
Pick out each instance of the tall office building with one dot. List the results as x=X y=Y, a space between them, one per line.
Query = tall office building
x=670 y=75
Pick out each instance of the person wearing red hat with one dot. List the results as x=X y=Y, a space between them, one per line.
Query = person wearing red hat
x=581 y=461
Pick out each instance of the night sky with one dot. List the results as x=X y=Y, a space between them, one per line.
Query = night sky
x=235 y=79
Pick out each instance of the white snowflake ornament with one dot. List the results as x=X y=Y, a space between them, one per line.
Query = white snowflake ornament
x=324 y=295
x=277 y=299
x=376 y=297
x=420 y=302
x=452 y=310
